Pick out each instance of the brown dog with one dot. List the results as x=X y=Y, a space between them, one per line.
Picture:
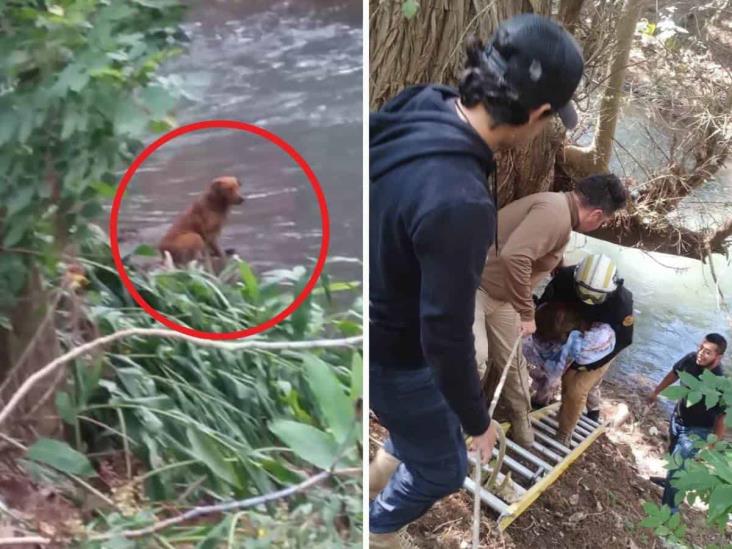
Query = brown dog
x=195 y=233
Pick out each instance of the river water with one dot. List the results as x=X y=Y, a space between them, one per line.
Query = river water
x=295 y=69
x=676 y=300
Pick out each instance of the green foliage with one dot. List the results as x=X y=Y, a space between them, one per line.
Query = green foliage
x=227 y=424
x=708 y=476
x=78 y=92
x=61 y=457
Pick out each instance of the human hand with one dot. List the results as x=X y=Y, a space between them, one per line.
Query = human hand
x=651 y=398
x=528 y=327
x=485 y=442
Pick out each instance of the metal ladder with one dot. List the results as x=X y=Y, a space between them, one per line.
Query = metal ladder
x=532 y=472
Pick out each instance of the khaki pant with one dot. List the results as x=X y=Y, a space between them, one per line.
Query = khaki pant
x=496 y=327
x=576 y=386
x=593 y=399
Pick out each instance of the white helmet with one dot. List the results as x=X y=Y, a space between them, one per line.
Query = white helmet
x=595 y=278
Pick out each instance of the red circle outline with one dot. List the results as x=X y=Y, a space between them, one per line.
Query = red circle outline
x=234 y=125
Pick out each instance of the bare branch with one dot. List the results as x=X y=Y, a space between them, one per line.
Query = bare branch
x=163 y=332
x=229 y=506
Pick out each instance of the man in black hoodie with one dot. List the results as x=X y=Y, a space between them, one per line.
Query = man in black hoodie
x=432 y=220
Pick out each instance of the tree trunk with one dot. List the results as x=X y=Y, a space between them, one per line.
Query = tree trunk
x=595 y=158
x=32 y=344
x=569 y=12
x=430 y=48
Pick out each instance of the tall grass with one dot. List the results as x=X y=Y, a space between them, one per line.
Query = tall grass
x=211 y=425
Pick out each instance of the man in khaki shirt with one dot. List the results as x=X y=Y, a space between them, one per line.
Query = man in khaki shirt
x=532 y=235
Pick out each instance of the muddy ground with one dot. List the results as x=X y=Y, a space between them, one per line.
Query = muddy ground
x=596 y=503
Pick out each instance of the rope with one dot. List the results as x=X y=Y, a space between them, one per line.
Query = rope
x=501 y=449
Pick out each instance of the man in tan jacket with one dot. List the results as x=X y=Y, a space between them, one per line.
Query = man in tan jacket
x=532 y=235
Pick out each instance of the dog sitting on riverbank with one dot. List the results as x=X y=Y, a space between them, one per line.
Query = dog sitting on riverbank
x=195 y=233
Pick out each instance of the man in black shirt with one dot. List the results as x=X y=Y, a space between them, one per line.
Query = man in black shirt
x=593 y=288
x=695 y=419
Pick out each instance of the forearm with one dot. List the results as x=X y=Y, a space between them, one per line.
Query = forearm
x=517 y=280
x=670 y=378
x=461 y=387
x=719 y=426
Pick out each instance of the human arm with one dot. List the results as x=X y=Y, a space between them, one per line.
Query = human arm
x=531 y=239
x=451 y=244
x=669 y=379
x=719 y=426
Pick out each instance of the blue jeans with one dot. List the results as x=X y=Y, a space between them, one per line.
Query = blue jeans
x=681 y=446
x=424 y=435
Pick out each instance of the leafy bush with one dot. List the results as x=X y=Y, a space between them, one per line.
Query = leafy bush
x=707 y=477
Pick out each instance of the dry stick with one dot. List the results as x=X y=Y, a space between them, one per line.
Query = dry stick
x=163 y=332
x=478 y=465
x=30 y=540
x=229 y=506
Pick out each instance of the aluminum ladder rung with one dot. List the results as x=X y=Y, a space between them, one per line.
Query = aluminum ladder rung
x=494 y=502
x=545 y=445
x=547 y=452
x=514 y=465
x=575 y=434
x=553 y=432
x=551 y=442
x=527 y=455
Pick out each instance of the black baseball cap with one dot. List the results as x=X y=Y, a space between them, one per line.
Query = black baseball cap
x=539 y=61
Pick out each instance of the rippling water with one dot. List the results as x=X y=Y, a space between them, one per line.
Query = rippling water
x=295 y=69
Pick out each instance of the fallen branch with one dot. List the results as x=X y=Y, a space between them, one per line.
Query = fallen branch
x=717 y=238
x=29 y=540
x=230 y=506
x=171 y=334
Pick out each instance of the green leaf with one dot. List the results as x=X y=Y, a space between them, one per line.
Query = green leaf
x=278 y=470
x=334 y=404
x=721 y=500
x=8 y=125
x=65 y=407
x=105 y=190
x=711 y=400
x=91 y=210
x=129 y=118
x=674 y=521
x=712 y=380
x=651 y=521
x=60 y=456
x=410 y=8
x=675 y=392
x=216 y=534
x=356 y=376
x=162 y=125
x=206 y=449
x=20 y=199
x=145 y=250
x=693 y=397
x=690 y=381
x=308 y=443
x=250 y=281
x=157 y=101
x=18 y=229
